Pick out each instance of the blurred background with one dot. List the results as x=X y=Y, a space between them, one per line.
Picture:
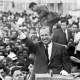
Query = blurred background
x=60 y=6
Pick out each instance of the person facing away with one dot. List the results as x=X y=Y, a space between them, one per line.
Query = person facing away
x=57 y=58
x=62 y=35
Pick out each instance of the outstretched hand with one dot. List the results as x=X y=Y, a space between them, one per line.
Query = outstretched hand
x=16 y=27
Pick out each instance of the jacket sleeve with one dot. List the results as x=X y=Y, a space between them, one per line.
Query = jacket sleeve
x=55 y=37
x=32 y=46
x=66 y=60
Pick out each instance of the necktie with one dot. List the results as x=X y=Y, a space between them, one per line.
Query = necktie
x=46 y=51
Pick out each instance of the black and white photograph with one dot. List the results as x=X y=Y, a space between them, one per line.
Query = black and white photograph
x=39 y=39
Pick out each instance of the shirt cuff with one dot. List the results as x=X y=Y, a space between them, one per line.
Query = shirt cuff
x=22 y=36
x=63 y=72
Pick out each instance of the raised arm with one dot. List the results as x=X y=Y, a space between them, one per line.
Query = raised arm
x=32 y=46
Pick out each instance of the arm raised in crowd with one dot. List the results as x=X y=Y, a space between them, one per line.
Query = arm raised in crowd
x=32 y=46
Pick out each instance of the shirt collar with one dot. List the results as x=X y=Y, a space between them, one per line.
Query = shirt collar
x=49 y=44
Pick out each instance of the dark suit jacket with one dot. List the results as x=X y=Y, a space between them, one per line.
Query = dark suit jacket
x=60 y=37
x=59 y=58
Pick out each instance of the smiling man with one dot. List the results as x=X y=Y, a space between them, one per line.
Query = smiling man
x=53 y=58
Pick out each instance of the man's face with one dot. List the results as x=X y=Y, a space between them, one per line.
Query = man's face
x=8 y=48
x=6 y=40
x=45 y=35
x=54 y=27
x=2 y=72
x=63 y=25
x=34 y=8
x=18 y=75
x=74 y=27
x=30 y=67
x=25 y=53
x=1 y=53
x=32 y=31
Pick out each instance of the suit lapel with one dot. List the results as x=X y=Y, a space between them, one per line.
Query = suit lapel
x=54 y=49
x=43 y=50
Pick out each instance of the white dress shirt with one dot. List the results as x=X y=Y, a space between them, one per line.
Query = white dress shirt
x=66 y=31
x=49 y=50
x=63 y=72
x=23 y=36
x=77 y=40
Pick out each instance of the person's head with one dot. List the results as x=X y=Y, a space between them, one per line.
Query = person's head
x=2 y=70
x=20 y=54
x=30 y=67
x=4 y=61
x=32 y=30
x=25 y=52
x=25 y=71
x=17 y=44
x=63 y=24
x=33 y=6
x=17 y=74
x=53 y=28
x=23 y=45
x=74 y=26
x=45 y=34
x=6 y=40
x=6 y=28
x=8 y=47
x=1 y=53
x=14 y=35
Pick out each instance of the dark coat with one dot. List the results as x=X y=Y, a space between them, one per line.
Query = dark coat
x=60 y=37
x=59 y=58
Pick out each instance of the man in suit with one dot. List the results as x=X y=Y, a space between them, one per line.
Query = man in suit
x=62 y=35
x=75 y=28
x=57 y=58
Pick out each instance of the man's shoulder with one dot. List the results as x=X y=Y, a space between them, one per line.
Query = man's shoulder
x=57 y=45
x=69 y=30
x=78 y=34
x=57 y=31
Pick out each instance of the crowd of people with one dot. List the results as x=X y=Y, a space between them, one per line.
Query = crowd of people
x=21 y=58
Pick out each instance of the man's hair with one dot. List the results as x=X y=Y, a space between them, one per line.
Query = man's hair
x=32 y=4
x=15 y=69
x=63 y=21
x=46 y=26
